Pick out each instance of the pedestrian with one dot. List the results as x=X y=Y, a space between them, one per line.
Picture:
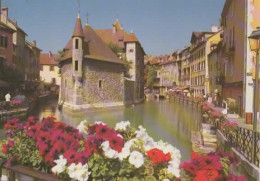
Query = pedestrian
x=210 y=99
x=7 y=100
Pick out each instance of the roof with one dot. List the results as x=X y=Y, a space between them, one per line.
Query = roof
x=5 y=27
x=78 y=31
x=131 y=38
x=93 y=48
x=108 y=36
x=30 y=45
x=48 y=59
x=197 y=35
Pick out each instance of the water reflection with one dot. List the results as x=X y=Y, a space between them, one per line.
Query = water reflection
x=166 y=120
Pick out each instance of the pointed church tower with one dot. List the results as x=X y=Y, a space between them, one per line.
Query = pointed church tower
x=77 y=48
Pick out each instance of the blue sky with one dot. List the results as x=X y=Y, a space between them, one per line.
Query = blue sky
x=161 y=26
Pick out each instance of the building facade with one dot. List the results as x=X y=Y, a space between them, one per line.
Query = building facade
x=91 y=74
x=49 y=69
x=6 y=44
x=25 y=55
x=132 y=50
x=184 y=57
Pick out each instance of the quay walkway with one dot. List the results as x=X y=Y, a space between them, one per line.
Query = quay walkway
x=239 y=141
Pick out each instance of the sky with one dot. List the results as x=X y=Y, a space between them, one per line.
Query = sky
x=162 y=26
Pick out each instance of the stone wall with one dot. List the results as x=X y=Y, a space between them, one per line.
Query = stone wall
x=139 y=78
x=101 y=85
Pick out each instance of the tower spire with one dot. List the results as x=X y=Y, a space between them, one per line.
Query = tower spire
x=78 y=8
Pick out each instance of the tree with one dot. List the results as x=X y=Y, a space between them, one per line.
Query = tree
x=151 y=75
x=121 y=55
x=61 y=55
x=11 y=75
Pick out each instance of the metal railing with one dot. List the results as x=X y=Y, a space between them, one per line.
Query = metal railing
x=242 y=140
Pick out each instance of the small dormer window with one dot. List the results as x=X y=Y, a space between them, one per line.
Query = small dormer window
x=76 y=65
x=76 y=43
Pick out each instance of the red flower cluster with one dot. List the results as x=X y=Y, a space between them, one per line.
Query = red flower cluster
x=157 y=156
x=216 y=114
x=16 y=102
x=209 y=167
x=99 y=133
x=54 y=138
x=11 y=124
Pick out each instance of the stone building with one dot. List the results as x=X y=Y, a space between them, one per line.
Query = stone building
x=49 y=70
x=133 y=51
x=91 y=74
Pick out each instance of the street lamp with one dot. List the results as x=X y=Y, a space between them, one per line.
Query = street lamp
x=254 y=41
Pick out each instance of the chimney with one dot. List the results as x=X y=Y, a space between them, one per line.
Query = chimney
x=214 y=28
x=4 y=12
x=50 y=54
x=34 y=43
x=114 y=29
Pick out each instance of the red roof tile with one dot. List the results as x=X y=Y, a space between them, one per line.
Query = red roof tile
x=94 y=48
x=131 y=38
x=48 y=59
x=78 y=31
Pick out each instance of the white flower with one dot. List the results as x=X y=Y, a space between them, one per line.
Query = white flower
x=173 y=167
x=61 y=165
x=136 y=158
x=79 y=172
x=82 y=127
x=122 y=125
x=126 y=150
x=166 y=179
x=100 y=122
x=109 y=152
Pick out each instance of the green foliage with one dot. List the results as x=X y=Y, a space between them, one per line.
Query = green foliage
x=151 y=75
x=232 y=105
x=61 y=55
x=115 y=48
x=11 y=75
x=120 y=54
x=225 y=164
x=25 y=152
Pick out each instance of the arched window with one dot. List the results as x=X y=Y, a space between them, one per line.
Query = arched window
x=100 y=84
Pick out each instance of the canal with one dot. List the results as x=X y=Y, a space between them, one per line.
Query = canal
x=164 y=119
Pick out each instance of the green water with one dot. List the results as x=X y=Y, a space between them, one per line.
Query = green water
x=165 y=119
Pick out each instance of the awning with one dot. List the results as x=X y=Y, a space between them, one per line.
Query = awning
x=3 y=84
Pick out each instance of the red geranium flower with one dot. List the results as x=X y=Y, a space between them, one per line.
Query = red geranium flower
x=206 y=175
x=92 y=145
x=209 y=163
x=11 y=124
x=103 y=131
x=189 y=167
x=116 y=142
x=157 y=156
x=4 y=149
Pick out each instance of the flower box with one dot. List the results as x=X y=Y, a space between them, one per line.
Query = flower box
x=23 y=173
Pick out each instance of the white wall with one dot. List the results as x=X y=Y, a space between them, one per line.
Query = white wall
x=47 y=76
